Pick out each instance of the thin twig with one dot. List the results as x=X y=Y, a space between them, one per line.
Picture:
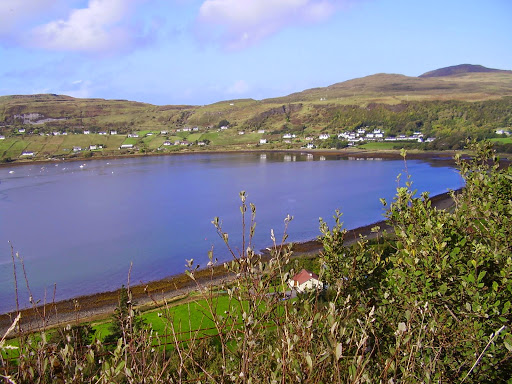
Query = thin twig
x=485 y=349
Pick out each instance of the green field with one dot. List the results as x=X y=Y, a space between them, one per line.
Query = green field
x=502 y=140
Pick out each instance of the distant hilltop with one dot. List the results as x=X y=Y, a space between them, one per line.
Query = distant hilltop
x=460 y=69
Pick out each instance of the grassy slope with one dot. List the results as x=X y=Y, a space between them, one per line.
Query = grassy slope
x=310 y=107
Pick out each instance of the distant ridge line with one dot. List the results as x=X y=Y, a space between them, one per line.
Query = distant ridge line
x=460 y=69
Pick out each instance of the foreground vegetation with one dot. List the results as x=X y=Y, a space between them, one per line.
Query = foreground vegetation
x=430 y=304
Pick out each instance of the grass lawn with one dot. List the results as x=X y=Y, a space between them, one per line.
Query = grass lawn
x=130 y=140
x=155 y=142
x=186 y=318
x=194 y=136
x=146 y=131
x=212 y=136
x=16 y=148
x=5 y=145
x=502 y=140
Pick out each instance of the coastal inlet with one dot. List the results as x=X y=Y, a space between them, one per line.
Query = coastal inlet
x=79 y=225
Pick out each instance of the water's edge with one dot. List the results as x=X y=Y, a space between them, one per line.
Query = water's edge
x=156 y=293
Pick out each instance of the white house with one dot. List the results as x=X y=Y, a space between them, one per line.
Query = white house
x=241 y=133
x=27 y=153
x=263 y=141
x=103 y=133
x=305 y=281
x=77 y=149
x=21 y=130
x=261 y=131
x=2 y=137
x=288 y=136
x=113 y=132
x=93 y=147
x=87 y=132
x=133 y=135
x=126 y=146
x=167 y=143
x=324 y=136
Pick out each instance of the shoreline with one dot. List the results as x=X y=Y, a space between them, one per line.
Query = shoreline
x=388 y=154
x=156 y=293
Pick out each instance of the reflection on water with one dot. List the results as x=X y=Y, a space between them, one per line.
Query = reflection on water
x=79 y=225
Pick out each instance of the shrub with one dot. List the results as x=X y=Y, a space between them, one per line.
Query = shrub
x=428 y=302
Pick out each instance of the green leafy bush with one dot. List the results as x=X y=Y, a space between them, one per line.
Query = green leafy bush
x=428 y=302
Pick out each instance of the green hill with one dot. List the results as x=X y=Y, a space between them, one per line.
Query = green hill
x=460 y=69
x=454 y=101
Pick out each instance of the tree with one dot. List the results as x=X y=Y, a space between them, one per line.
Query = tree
x=223 y=123
x=125 y=321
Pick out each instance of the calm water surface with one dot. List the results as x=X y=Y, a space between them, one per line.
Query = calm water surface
x=80 y=227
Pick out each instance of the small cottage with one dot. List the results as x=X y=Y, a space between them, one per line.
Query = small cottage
x=305 y=281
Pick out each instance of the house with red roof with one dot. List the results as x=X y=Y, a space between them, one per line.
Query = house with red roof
x=305 y=281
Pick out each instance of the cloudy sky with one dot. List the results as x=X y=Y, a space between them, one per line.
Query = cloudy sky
x=203 y=51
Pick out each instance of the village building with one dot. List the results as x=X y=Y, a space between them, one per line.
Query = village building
x=305 y=281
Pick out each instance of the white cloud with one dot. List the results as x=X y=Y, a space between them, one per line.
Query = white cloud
x=238 y=88
x=101 y=27
x=14 y=13
x=242 y=23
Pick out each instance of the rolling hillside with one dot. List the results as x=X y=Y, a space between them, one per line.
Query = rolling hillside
x=448 y=101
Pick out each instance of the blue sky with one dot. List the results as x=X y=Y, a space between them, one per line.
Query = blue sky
x=203 y=51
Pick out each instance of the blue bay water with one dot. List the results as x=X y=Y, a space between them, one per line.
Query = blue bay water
x=79 y=228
